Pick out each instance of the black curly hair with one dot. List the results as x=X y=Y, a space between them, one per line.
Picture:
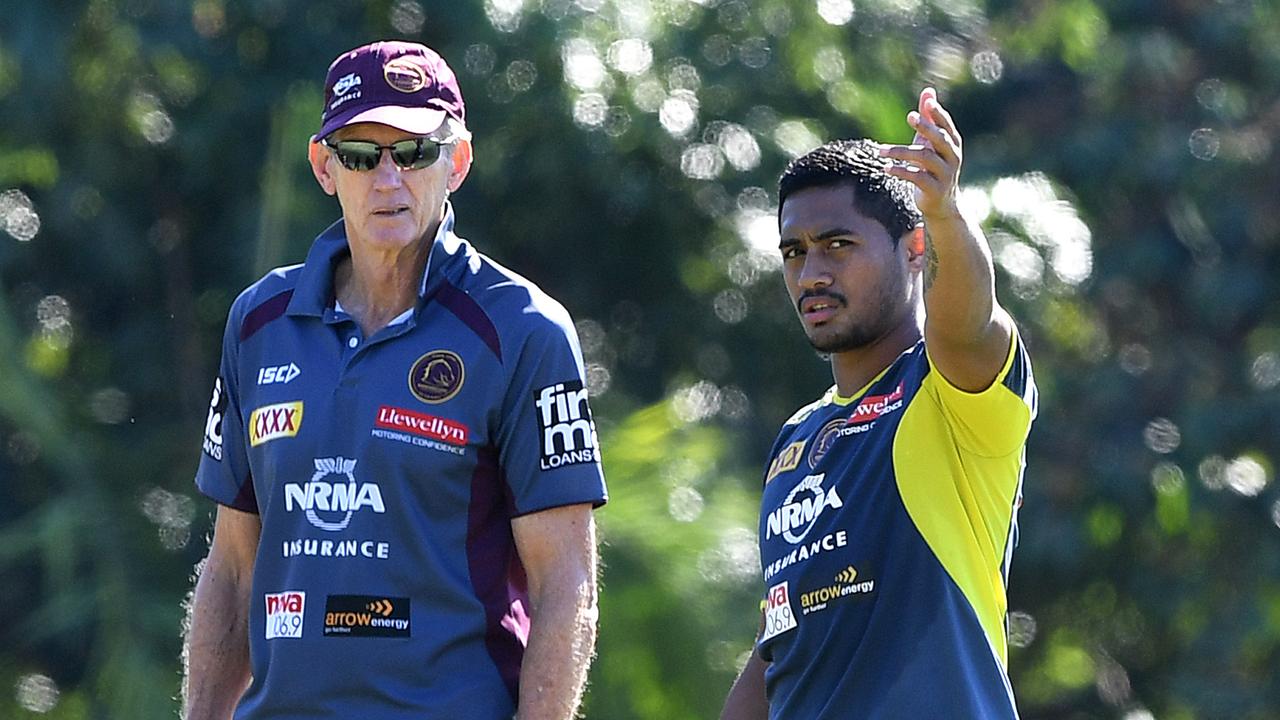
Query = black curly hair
x=876 y=194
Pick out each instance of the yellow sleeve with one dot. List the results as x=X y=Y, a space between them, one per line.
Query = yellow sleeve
x=993 y=422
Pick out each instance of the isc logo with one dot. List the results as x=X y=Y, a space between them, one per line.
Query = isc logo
x=278 y=374
x=270 y=422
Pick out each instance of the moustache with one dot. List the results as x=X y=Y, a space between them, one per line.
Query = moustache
x=813 y=294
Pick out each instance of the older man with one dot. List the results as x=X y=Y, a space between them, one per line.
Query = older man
x=400 y=447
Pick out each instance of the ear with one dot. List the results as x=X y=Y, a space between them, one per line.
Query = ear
x=460 y=158
x=915 y=243
x=319 y=156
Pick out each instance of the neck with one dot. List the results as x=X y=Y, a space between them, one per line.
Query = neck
x=853 y=369
x=375 y=286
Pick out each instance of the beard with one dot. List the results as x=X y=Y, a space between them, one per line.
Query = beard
x=879 y=318
x=857 y=334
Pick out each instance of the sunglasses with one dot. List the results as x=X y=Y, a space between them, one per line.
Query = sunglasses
x=361 y=155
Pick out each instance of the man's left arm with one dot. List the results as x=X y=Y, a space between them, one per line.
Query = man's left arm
x=558 y=549
x=967 y=332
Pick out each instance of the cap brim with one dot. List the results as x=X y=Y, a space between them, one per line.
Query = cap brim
x=413 y=120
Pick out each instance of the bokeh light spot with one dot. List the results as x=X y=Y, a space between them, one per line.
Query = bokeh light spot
x=18 y=215
x=795 y=138
x=37 y=693
x=829 y=63
x=631 y=56
x=986 y=67
x=679 y=113
x=589 y=110
x=504 y=15
x=1264 y=373
x=701 y=161
x=1022 y=629
x=684 y=504
x=408 y=17
x=836 y=12
x=1204 y=144
x=730 y=306
x=480 y=59
x=1245 y=476
x=1162 y=435
x=696 y=402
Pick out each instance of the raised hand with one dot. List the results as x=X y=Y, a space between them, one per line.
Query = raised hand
x=932 y=161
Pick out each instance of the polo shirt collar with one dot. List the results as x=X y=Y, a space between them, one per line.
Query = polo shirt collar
x=314 y=293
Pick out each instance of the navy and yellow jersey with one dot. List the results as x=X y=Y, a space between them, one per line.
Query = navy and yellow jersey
x=887 y=523
x=386 y=470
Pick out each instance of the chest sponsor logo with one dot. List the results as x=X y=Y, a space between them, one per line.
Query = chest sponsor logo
x=847 y=584
x=213 y=422
x=332 y=496
x=788 y=459
x=874 y=407
x=366 y=616
x=801 y=509
x=272 y=422
x=564 y=422
x=428 y=426
x=436 y=376
x=284 y=614
x=778 y=615
x=283 y=374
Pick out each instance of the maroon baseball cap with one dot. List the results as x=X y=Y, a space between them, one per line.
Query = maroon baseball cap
x=405 y=85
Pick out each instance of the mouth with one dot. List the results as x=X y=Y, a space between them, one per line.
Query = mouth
x=390 y=212
x=816 y=309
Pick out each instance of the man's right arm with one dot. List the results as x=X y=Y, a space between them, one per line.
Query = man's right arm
x=747 y=700
x=217 y=644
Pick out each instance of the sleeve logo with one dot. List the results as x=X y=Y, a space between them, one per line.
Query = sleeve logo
x=271 y=422
x=778 y=617
x=213 y=423
x=284 y=614
x=564 y=424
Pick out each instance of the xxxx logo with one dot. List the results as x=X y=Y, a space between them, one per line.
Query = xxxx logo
x=271 y=422
x=788 y=459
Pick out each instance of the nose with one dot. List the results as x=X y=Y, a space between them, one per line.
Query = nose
x=815 y=273
x=386 y=174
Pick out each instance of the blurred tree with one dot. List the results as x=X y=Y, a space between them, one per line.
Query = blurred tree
x=1120 y=156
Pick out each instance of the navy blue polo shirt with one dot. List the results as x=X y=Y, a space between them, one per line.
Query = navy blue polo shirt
x=386 y=471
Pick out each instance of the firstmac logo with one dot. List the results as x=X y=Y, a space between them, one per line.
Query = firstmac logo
x=568 y=435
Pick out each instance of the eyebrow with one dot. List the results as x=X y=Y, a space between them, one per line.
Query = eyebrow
x=824 y=235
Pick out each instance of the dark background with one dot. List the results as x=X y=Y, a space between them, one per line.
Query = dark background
x=1121 y=155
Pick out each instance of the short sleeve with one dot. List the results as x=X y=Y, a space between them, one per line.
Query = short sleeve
x=223 y=475
x=995 y=421
x=548 y=448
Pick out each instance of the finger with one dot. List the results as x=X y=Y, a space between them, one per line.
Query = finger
x=927 y=94
x=928 y=185
x=921 y=157
x=942 y=118
x=934 y=136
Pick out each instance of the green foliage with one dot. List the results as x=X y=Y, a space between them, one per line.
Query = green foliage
x=1120 y=156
